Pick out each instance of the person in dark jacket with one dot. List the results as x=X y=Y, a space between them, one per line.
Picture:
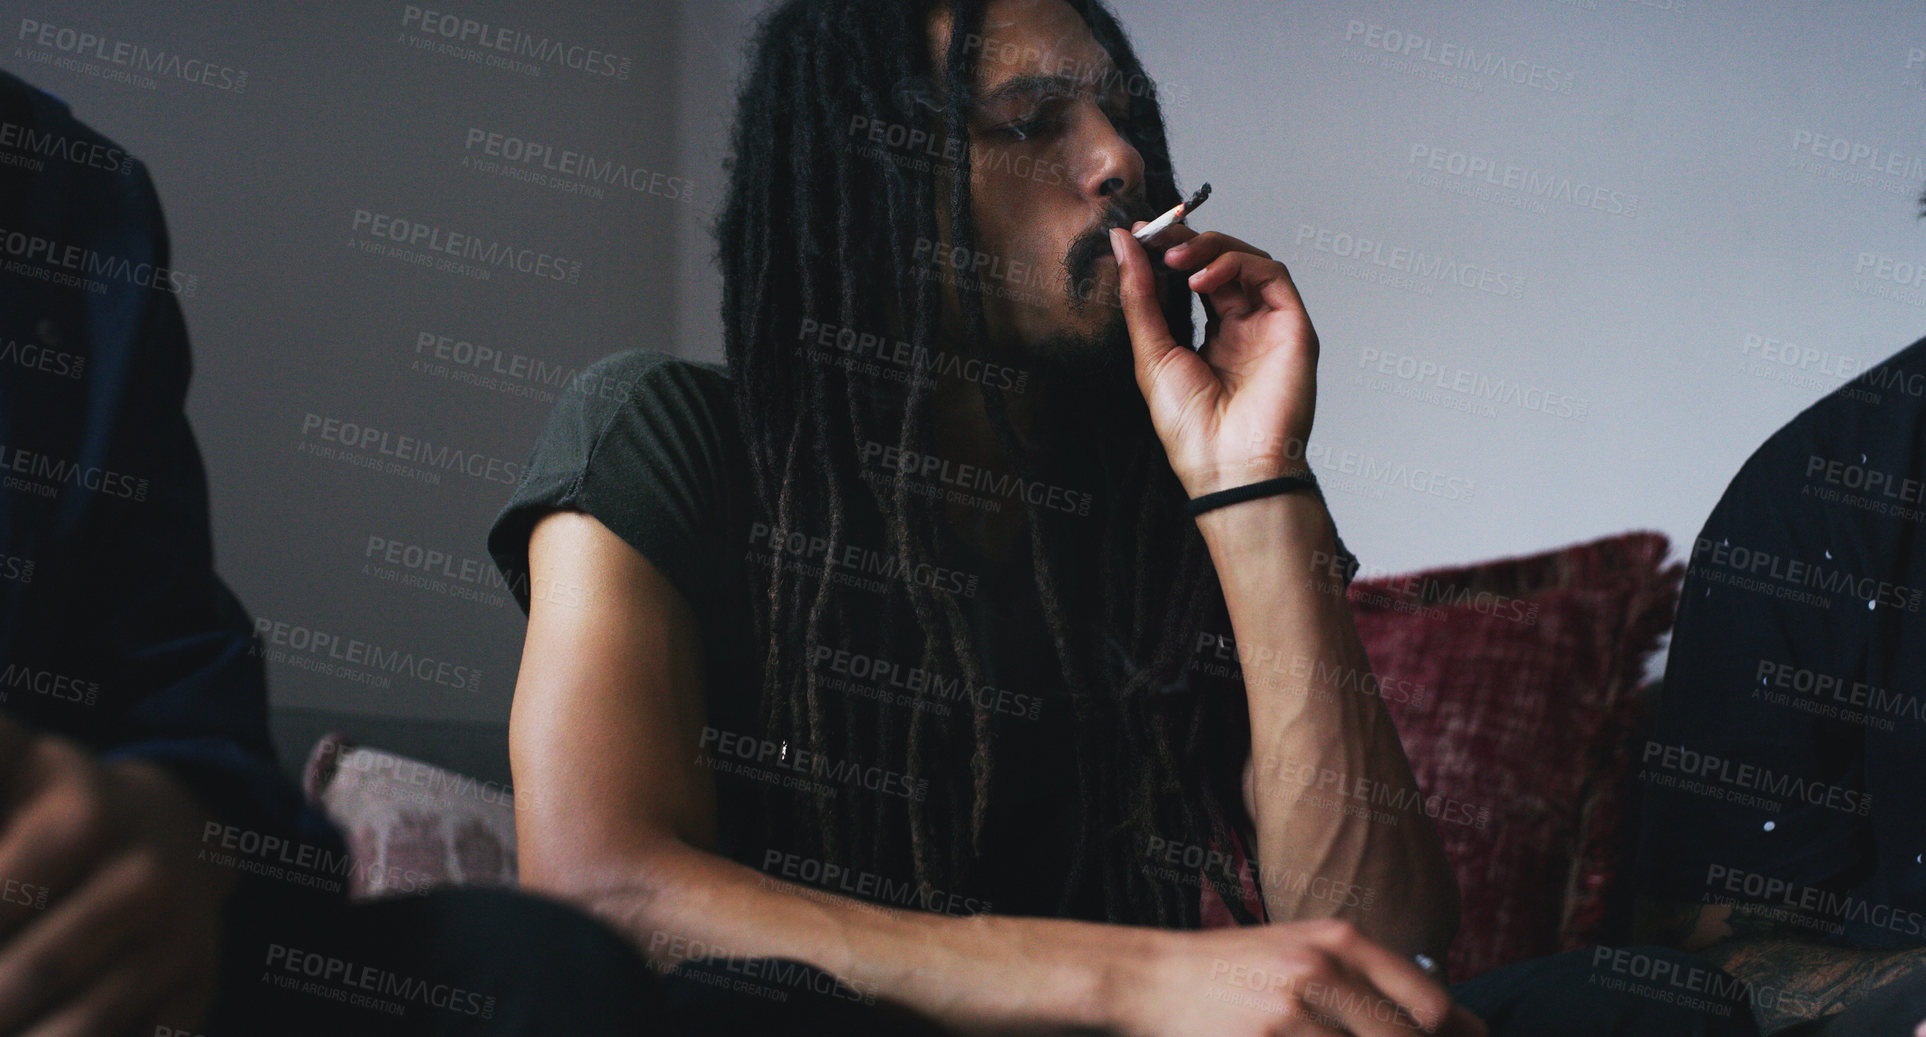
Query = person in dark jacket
x=137 y=779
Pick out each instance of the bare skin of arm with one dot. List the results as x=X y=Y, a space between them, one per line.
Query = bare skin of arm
x=1794 y=977
x=1324 y=757
x=616 y=816
x=1319 y=744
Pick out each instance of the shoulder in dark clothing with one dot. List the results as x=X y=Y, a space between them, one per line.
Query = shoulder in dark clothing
x=107 y=496
x=1791 y=716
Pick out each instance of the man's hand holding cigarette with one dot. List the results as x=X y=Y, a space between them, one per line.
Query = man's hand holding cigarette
x=1238 y=409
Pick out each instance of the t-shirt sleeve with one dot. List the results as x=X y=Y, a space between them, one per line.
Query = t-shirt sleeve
x=637 y=441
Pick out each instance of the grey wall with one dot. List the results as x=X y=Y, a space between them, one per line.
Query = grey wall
x=1625 y=323
x=1595 y=376
x=343 y=110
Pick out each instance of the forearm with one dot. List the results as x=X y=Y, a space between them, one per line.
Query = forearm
x=1329 y=774
x=980 y=972
x=1793 y=981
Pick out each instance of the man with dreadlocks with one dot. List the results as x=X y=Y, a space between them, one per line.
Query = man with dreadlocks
x=867 y=658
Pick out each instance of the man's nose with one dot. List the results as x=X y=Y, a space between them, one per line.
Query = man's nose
x=1116 y=168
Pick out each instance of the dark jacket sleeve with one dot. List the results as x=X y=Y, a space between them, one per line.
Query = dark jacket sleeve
x=130 y=594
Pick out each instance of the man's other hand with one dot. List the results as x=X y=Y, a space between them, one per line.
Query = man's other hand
x=1292 y=979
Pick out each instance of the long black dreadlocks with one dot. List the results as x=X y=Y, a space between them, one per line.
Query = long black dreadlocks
x=812 y=229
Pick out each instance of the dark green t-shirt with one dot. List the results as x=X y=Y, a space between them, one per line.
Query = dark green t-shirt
x=649 y=445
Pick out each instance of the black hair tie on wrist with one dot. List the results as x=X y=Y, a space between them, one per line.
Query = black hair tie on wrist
x=1266 y=488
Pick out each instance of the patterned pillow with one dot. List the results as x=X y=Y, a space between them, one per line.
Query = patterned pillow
x=411 y=826
x=1515 y=688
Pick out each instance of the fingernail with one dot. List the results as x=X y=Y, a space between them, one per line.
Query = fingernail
x=1116 y=246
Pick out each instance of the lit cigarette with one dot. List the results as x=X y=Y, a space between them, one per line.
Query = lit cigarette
x=1178 y=213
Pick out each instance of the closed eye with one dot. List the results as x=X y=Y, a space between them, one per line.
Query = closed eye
x=1027 y=128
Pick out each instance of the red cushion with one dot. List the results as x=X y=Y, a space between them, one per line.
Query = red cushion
x=1514 y=685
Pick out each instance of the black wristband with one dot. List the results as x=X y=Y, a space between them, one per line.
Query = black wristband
x=1268 y=487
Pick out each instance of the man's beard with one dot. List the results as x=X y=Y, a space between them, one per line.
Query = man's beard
x=1099 y=359
x=1091 y=380
x=1090 y=374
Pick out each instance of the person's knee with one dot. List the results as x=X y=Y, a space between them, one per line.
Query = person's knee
x=1650 y=991
x=525 y=957
x=1666 y=987
x=538 y=933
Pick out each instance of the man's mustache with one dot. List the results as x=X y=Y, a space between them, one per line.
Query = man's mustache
x=1094 y=244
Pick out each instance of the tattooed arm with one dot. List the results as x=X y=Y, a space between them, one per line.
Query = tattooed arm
x=1794 y=978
